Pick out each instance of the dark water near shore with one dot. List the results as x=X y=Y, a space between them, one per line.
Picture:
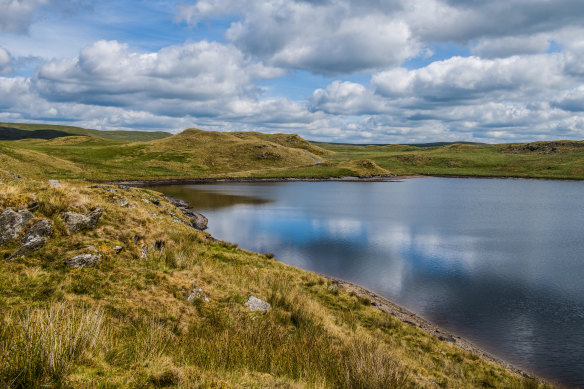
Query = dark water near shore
x=499 y=262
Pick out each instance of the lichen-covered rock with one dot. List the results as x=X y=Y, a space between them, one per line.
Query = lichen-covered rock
x=55 y=184
x=83 y=260
x=32 y=244
x=78 y=222
x=42 y=228
x=11 y=223
x=256 y=304
x=198 y=220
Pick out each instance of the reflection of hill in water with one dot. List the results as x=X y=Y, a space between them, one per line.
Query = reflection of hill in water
x=206 y=199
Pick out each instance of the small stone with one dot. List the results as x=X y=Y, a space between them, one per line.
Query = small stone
x=118 y=249
x=77 y=222
x=92 y=249
x=122 y=202
x=83 y=260
x=17 y=176
x=42 y=228
x=257 y=305
x=124 y=187
x=11 y=223
x=155 y=201
x=55 y=184
x=146 y=201
x=198 y=294
x=144 y=253
x=32 y=244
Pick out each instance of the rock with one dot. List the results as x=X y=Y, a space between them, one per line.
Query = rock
x=144 y=253
x=122 y=202
x=257 y=305
x=92 y=249
x=198 y=221
x=77 y=222
x=198 y=294
x=16 y=176
x=176 y=202
x=146 y=201
x=118 y=249
x=55 y=184
x=155 y=201
x=83 y=260
x=11 y=223
x=42 y=228
x=32 y=244
x=124 y=187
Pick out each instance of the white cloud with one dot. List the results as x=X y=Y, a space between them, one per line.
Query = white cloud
x=5 y=61
x=16 y=16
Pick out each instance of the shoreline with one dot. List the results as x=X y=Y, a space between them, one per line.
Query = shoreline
x=382 y=303
x=392 y=178
x=405 y=316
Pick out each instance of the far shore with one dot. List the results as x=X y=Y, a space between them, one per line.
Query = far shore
x=393 y=178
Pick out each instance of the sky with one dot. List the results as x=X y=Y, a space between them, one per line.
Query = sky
x=351 y=71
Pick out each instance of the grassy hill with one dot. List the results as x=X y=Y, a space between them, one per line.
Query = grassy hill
x=164 y=306
x=119 y=155
x=557 y=159
x=192 y=153
x=49 y=131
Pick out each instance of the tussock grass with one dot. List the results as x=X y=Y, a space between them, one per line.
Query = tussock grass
x=41 y=345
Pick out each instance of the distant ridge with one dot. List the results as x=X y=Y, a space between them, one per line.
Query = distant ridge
x=41 y=131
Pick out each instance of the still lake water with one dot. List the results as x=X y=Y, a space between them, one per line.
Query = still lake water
x=498 y=262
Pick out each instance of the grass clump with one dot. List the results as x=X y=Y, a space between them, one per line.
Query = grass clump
x=41 y=345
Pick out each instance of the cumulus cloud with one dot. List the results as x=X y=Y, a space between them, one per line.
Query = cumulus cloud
x=195 y=78
x=17 y=15
x=347 y=36
x=5 y=61
x=320 y=36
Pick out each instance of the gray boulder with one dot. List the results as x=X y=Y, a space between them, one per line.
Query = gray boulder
x=78 y=222
x=11 y=223
x=32 y=244
x=42 y=228
x=55 y=184
x=255 y=304
x=83 y=260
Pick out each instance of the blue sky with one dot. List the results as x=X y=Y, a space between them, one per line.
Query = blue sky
x=369 y=71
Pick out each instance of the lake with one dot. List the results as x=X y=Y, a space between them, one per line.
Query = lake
x=498 y=262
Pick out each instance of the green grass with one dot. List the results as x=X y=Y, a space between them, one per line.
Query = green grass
x=539 y=160
x=127 y=322
x=200 y=154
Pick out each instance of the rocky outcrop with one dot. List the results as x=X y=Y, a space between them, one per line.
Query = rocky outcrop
x=42 y=228
x=257 y=305
x=11 y=223
x=78 y=222
x=32 y=244
x=198 y=220
x=83 y=260
x=34 y=239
